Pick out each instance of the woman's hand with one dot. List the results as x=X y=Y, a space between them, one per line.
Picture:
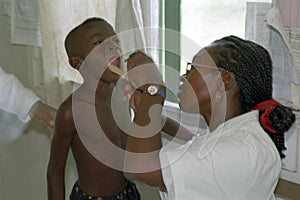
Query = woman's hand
x=141 y=72
x=135 y=100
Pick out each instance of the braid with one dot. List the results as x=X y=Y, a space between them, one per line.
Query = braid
x=252 y=66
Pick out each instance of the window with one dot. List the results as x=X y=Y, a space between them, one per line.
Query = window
x=199 y=22
x=205 y=21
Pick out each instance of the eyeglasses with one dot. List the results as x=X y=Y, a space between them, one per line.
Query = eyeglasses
x=190 y=66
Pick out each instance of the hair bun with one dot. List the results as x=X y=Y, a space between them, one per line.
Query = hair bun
x=282 y=118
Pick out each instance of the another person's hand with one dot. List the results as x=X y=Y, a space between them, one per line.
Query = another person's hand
x=45 y=114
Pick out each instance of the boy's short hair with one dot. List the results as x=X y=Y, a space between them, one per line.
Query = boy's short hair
x=93 y=19
x=74 y=30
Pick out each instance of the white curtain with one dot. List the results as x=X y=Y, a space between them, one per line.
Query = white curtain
x=138 y=15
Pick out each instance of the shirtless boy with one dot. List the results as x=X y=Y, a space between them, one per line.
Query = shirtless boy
x=97 y=179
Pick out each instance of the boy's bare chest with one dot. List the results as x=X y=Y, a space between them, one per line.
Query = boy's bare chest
x=107 y=120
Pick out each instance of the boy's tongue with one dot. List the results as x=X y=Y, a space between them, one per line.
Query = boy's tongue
x=115 y=61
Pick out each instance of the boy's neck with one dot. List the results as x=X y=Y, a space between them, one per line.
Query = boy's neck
x=88 y=91
x=104 y=87
x=93 y=84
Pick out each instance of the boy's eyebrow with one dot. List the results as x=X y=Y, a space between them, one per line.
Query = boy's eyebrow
x=95 y=34
x=98 y=34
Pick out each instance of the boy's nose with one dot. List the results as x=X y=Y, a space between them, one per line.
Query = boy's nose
x=112 y=50
x=112 y=47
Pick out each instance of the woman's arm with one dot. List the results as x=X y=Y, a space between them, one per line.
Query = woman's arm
x=175 y=129
x=142 y=161
x=145 y=142
x=170 y=127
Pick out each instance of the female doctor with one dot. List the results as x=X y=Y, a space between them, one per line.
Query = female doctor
x=229 y=83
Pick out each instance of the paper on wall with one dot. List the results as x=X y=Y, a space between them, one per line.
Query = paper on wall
x=291 y=39
x=289 y=11
x=25 y=23
x=264 y=26
x=294 y=39
x=5 y=7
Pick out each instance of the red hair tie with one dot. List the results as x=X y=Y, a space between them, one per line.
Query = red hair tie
x=266 y=107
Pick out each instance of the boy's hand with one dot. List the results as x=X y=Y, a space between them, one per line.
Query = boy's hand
x=45 y=114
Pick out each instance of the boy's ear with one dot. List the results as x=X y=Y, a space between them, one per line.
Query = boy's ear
x=228 y=80
x=75 y=62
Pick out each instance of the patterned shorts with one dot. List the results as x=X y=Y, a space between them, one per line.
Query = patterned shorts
x=130 y=193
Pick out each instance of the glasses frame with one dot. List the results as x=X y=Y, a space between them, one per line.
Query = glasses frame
x=188 y=69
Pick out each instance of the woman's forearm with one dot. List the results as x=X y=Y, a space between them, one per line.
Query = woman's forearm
x=143 y=145
x=175 y=129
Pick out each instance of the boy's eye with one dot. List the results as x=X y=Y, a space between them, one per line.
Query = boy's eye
x=98 y=42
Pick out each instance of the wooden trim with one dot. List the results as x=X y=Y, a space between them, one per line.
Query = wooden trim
x=172 y=42
x=288 y=189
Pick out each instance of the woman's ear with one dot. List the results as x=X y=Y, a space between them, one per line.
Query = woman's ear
x=75 y=62
x=228 y=80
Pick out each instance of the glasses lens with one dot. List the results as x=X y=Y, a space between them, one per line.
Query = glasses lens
x=188 y=67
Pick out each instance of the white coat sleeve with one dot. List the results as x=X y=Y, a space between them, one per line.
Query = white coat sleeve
x=15 y=98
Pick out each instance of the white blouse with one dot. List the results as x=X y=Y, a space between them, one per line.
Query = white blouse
x=236 y=161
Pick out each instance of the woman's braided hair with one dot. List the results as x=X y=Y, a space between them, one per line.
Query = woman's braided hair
x=252 y=66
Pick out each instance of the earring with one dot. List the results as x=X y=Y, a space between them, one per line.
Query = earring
x=218 y=96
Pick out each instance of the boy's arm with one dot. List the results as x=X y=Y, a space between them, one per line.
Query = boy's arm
x=63 y=134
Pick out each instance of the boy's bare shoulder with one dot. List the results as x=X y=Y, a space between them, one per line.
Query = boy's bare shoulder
x=64 y=112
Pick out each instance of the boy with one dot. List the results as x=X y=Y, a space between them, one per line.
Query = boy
x=99 y=166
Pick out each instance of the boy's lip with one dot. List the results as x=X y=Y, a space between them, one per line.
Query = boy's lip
x=116 y=61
